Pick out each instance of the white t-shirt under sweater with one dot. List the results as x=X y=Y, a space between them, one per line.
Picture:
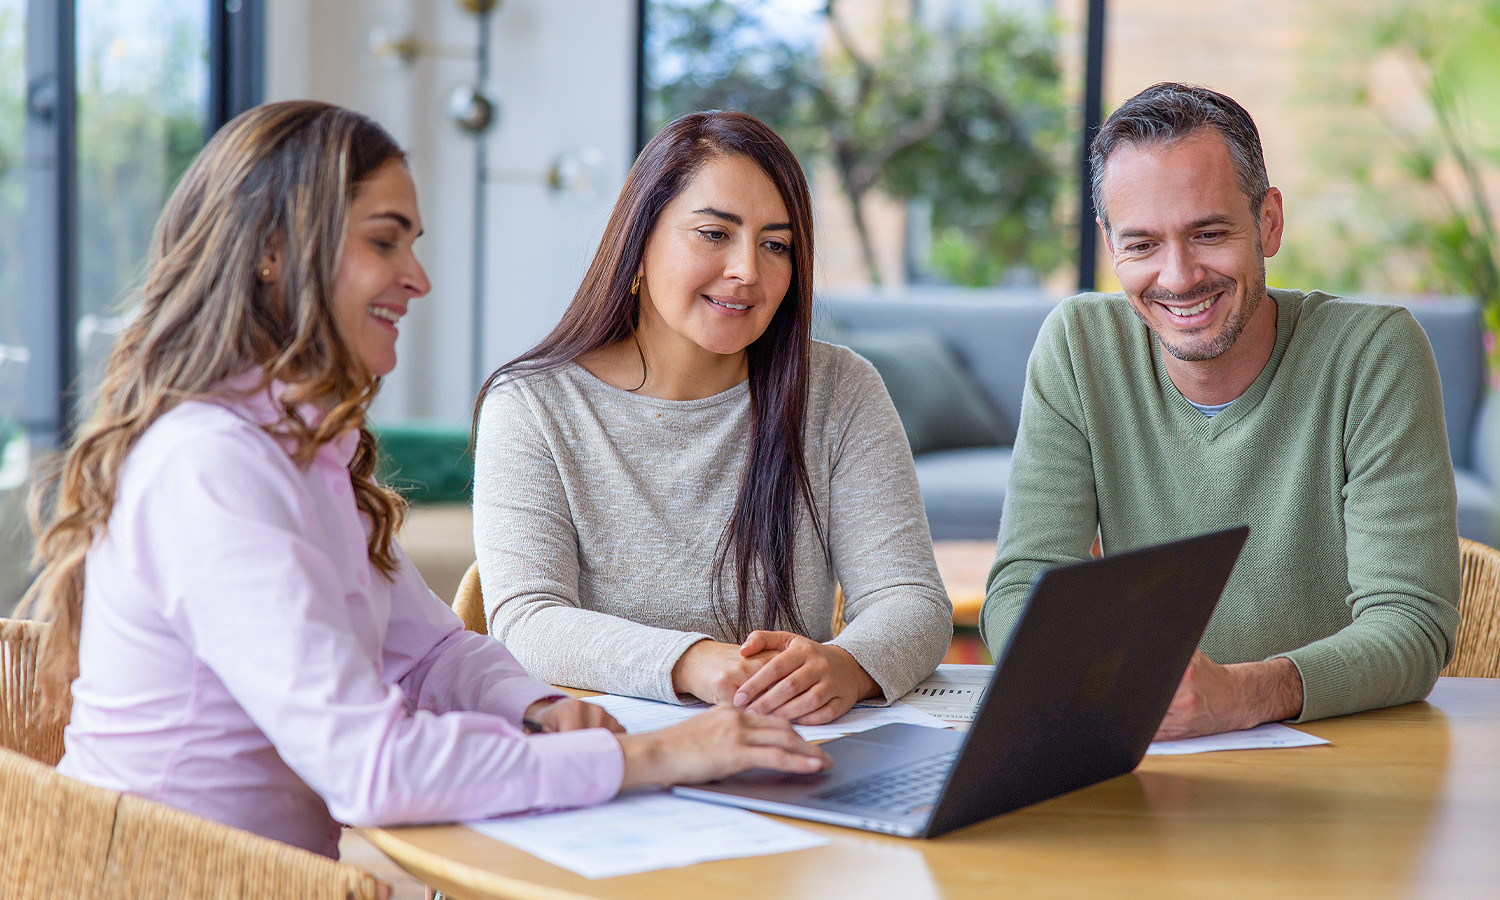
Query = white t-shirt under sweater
x=598 y=514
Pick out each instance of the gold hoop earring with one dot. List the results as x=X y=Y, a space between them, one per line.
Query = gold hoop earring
x=635 y=285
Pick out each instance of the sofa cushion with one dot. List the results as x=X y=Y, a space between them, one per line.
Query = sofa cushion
x=939 y=404
x=991 y=332
x=1477 y=509
x=964 y=491
x=1455 y=329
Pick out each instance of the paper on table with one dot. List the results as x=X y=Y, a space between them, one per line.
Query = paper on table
x=1271 y=734
x=638 y=716
x=863 y=718
x=952 y=692
x=641 y=832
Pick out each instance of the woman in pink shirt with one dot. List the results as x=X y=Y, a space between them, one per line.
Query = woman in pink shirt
x=244 y=638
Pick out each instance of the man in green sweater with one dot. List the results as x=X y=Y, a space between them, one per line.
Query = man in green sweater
x=1199 y=399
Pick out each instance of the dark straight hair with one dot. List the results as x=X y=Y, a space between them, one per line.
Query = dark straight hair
x=761 y=532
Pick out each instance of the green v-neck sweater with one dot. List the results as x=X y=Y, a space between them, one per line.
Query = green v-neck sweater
x=1336 y=457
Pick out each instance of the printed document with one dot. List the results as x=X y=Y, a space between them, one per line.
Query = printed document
x=952 y=693
x=638 y=716
x=641 y=832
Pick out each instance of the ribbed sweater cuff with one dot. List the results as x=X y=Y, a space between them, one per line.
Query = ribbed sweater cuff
x=1325 y=681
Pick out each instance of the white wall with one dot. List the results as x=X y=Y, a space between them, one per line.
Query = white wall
x=563 y=74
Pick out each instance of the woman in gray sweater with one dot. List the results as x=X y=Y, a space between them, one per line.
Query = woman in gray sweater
x=669 y=487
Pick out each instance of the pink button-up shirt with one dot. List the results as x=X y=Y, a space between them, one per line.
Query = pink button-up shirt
x=242 y=659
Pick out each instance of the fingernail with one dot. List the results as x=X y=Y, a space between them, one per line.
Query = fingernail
x=739 y=699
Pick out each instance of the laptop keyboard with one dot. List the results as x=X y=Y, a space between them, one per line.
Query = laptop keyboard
x=898 y=791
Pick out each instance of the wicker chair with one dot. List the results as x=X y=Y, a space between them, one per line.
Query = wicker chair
x=64 y=838
x=469 y=601
x=1476 y=651
x=22 y=726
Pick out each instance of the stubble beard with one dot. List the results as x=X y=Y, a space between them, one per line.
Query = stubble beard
x=1234 y=325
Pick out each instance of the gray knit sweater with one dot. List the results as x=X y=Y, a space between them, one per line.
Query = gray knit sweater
x=598 y=513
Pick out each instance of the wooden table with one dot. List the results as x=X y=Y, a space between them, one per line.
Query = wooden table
x=1405 y=803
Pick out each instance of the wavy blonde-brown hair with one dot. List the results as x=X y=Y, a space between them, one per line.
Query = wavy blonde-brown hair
x=278 y=179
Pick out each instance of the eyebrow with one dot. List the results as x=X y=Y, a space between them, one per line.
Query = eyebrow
x=739 y=220
x=398 y=218
x=1205 y=222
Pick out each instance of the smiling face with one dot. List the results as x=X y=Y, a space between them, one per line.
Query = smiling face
x=1189 y=251
x=715 y=267
x=378 y=274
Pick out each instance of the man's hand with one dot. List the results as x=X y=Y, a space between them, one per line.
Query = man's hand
x=1212 y=698
x=713 y=671
x=567 y=714
x=806 y=682
x=716 y=744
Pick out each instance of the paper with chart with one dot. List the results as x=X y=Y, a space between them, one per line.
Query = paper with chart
x=638 y=716
x=641 y=832
x=953 y=692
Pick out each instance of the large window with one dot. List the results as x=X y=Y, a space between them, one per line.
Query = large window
x=935 y=134
x=142 y=108
x=102 y=106
x=941 y=136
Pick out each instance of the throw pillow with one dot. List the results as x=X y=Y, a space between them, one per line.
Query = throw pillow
x=940 y=406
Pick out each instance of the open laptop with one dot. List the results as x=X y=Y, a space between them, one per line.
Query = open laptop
x=1085 y=679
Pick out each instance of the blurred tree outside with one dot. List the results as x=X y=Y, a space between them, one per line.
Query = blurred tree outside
x=1422 y=149
x=964 y=121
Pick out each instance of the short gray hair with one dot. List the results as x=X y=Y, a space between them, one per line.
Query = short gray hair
x=1168 y=112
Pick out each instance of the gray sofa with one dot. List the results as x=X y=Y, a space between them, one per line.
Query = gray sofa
x=990 y=335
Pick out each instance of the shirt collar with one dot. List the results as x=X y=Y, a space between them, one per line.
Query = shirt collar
x=263 y=406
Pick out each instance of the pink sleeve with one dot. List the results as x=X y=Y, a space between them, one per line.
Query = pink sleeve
x=286 y=618
x=443 y=666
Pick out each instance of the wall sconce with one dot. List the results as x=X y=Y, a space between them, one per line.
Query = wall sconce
x=404 y=49
x=576 y=174
x=471 y=109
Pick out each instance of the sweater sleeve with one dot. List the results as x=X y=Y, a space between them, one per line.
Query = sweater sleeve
x=1050 y=514
x=1400 y=522
x=527 y=547
x=900 y=621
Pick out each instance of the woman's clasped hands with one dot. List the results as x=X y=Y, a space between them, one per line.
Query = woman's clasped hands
x=776 y=673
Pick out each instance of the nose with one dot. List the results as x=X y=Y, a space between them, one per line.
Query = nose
x=414 y=278
x=742 y=264
x=1180 y=270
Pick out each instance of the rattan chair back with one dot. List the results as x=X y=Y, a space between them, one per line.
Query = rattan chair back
x=64 y=838
x=468 y=602
x=1476 y=651
x=23 y=727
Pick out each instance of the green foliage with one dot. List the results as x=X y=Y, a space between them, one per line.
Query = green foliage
x=969 y=121
x=1430 y=216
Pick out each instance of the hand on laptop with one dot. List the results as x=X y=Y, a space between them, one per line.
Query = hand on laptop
x=721 y=742
x=1212 y=698
x=806 y=682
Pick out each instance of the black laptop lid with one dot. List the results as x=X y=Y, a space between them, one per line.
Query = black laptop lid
x=1087 y=675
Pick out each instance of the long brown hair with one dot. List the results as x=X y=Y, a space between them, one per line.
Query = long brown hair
x=762 y=530
x=280 y=178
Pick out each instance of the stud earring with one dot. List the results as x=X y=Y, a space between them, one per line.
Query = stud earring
x=635 y=285
x=265 y=273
